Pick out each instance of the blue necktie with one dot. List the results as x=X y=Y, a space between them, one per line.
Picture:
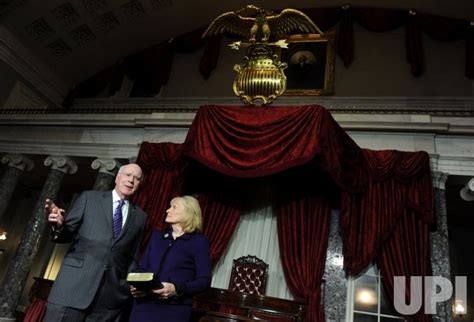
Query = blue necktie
x=118 y=219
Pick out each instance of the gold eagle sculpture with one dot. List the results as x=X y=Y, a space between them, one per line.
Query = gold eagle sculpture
x=259 y=24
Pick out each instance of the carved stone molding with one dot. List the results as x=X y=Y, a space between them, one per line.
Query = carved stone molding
x=17 y=57
x=125 y=150
x=18 y=161
x=94 y=6
x=61 y=163
x=82 y=35
x=23 y=97
x=107 y=22
x=438 y=106
x=463 y=166
x=133 y=9
x=434 y=162
x=410 y=123
x=66 y=15
x=447 y=106
x=106 y=165
x=39 y=29
x=439 y=179
x=58 y=48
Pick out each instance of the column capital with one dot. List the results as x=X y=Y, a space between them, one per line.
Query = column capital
x=61 y=163
x=18 y=161
x=106 y=165
x=467 y=192
x=439 y=179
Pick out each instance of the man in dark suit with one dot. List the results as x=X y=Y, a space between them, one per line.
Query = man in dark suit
x=105 y=229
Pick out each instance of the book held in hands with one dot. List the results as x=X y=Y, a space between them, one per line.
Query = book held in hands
x=144 y=281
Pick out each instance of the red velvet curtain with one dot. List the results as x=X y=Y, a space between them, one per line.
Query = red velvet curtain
x=165 y=169
x=414 y=45
x=163 y=165
x=345 y=38
x=388 y=223
x=397 y=181
x=377 y=189
x=36 y=311
x=261 y=141
x=303 y=230
x=210 y=57
x=221 y=216
x=410 y=242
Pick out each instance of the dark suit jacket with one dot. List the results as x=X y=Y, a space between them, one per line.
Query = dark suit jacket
x=185 y=262
x=94 y=254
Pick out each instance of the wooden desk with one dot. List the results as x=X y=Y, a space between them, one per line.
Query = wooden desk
x=211 y=316
x=40 y=288
x=253 y=307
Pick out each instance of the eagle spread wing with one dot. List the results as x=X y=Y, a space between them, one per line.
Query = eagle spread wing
x=230 y=22
x=290 y=20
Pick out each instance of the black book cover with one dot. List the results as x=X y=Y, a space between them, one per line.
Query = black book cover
x=144 y=281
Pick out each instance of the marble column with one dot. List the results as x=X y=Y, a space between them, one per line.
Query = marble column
x=107 y=171
x=335 y=288
x=16 y=163
x=440 y=264
x=19 y=267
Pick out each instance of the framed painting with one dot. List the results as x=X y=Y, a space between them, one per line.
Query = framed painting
x=310 y=60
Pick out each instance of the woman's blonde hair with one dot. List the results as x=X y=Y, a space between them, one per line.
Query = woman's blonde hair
x=192 y=208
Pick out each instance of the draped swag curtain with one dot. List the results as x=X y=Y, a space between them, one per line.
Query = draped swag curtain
x=151 y=67
x=386 y=197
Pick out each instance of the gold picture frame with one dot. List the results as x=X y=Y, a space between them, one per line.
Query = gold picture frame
x=310 y=60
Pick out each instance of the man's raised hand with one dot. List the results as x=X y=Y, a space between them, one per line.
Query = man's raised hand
x=55 y=214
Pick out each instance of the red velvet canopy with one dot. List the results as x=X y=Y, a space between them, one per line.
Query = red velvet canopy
x=386 y=197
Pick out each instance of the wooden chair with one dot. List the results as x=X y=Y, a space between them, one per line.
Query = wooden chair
x=249 y=275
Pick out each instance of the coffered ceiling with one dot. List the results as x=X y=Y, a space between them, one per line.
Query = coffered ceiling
x=77 y=38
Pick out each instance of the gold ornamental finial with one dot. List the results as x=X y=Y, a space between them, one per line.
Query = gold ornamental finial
x=260 y=76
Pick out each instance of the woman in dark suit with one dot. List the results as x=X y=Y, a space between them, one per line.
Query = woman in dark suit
x=180 y=256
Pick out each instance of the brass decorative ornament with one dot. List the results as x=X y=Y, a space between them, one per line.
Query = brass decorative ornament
x=260 y=77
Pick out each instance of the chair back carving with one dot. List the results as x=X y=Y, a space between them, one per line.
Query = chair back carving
x=249 y=275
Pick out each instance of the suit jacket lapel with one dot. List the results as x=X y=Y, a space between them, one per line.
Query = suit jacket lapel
x=107 y=210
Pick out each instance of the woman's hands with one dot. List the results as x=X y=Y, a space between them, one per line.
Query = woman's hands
x=136 y=293
x=168 y=291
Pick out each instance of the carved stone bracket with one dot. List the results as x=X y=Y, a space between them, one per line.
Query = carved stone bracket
x=439 y=179
x=18 y=161
x=106 y=165
x=61 y=163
